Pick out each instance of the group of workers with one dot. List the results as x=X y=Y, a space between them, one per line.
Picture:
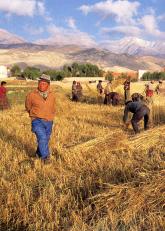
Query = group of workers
x=40 y=105
x=150 y=90
x=111 y=97
x=135 y=103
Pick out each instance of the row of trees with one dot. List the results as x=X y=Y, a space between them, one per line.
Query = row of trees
x=153 y=76
x=75 y=70
x=146 y=76
x=83 y=70
x=34 y=73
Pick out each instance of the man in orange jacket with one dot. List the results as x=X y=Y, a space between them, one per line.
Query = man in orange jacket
x=40 y=104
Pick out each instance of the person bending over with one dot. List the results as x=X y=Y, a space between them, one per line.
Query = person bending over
x=139 y=110
x=115 y=98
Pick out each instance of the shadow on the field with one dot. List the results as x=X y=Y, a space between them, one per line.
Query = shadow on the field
x=87 y=99
x=92 y=100
x=97 y=101
x=16 y=142
x=7 y=226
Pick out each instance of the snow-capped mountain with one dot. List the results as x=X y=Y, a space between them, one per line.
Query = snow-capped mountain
x=135 y=46
x=129 y=53
x=9 y=38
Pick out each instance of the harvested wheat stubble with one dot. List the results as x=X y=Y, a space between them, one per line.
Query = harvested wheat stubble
x=150 y=140
x=117 y=140
x=108 y=140
x=139 y=204
x=143 y=213
x=112 y=182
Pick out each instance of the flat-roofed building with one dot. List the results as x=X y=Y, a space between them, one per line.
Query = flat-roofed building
x=4 y=72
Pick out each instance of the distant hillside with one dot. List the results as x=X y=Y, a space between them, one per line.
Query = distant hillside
x=40 y=58
x=24 y=46
x=104 y=58
x=128 y=45
x=45 y=57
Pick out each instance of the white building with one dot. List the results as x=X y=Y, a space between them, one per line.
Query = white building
x=3 y=72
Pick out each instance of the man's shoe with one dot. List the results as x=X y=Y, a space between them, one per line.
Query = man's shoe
x=146 y=128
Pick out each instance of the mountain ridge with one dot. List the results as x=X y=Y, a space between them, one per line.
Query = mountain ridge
x=136 y=46
x=128 y=45
x=125 y=55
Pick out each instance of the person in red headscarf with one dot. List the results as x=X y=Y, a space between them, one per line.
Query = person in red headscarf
x=4 y=104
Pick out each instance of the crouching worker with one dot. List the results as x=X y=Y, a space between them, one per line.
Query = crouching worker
x=139 y=110
x=40 y=104
x=115 y=98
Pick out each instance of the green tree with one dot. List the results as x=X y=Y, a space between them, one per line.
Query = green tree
x=101 y=73
x=56 y=75
x=82 y=69
x=31 y=73
x=15 y=70
x=146 y=76
x=67 y=70
x=162 y=75
x=60 y=75
x=153 y=76
x=109 y=76
x=85 y=70
x=75 y=69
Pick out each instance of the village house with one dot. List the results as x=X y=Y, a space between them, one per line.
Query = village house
x=4 y=72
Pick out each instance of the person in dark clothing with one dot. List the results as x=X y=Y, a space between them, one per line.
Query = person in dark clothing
x=115 y=98
x=137 y=97
x=139 y=110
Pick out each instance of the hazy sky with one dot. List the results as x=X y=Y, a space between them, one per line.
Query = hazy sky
x=83 y=21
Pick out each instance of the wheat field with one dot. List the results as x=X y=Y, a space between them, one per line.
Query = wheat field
x=101 y=176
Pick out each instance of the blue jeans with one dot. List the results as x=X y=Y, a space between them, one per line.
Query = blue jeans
x=42 y=130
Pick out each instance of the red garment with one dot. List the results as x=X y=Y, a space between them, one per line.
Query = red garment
x=149 y=93
x=2 y=91
x=4 y=104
